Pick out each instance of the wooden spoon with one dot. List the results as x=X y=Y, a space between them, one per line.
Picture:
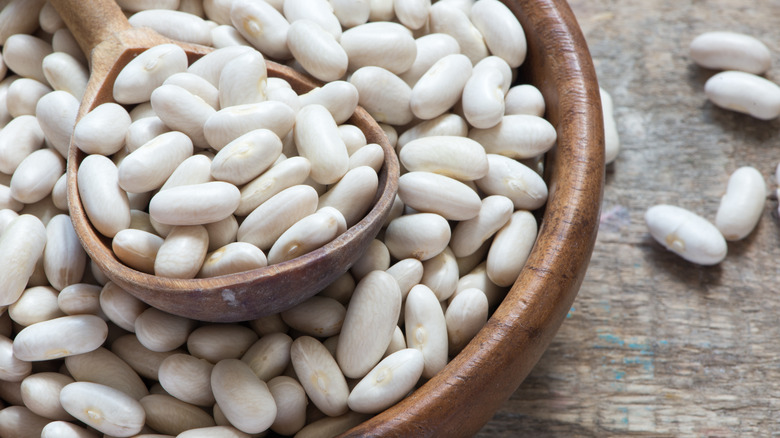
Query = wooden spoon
x=110 y=42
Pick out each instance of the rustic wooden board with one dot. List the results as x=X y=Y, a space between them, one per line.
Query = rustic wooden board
x=654 y=345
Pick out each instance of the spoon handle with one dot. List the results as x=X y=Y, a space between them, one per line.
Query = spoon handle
x=91 y=21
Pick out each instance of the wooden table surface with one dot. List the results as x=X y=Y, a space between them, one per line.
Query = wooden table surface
x=654 y=345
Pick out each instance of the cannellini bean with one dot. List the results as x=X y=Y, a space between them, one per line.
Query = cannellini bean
x=147 y=71
x=317 y=50
x=19 y=17
x=195 y=204
x=142 y=110
x=743 y=203
x=66 y=73
x=105 y=203
x=371 y=155
x=369 y=323
x=353 y=137
x=12 y=369
x=102 y=130
x=64 y=259
x=524 y=99
x=353 y=194
x=36 y=175
x=376 y=257
x=80 y=298
x=145 y=362
x=420 y=236
x=351 y=12
x=430 y=48
x=36 y=304
x=447 y=124
x=6 y=216
x=332 y=426
x=106 y=368
x=104 y=408
x=243 y=80
x=222 y=232
x=440 y=274
x=18 y=139
x=23 y=95
x=320 y=376
x=176 y=25
x=466 y=314
x=517 y=136
x=226 y=36
x=388 y=382
x=229 y=123
x=469 y=235
x=137 y=248
x=50 y=19
x=412 y=13
x=445 y=18
x=212 y=432
x=510 y=178
x=611 y=139
x=20 y=421
x=232 y=258
x=433 y=193
x=120 y=307
x=502 y=31
x=8 y=202
x=210 y=66
x=319 y=11
x=339 y=97
x=318 y=140
x=686 y=234
x=383 y=94
x=246 y=157
x=317 y=316
x=340 y=289
x=243 y=398
x=194 y=170
x=307 y=234
x=510 y=248
x=160 y=331
x=24 y=54
x=187 y=378
x=171 y=416
x=56 y=115
x=441 y=86
x=381 y=10
x=426 y=328
x=407 y=273
x=148 y=167
x=483 y=94
x=21 y=245
x=64 y=429
x=41 y=394
x=457 y=157
x=273 y=217
x=290 y=399
x=745 y=93
x=182 y=111
x=60 y=337
x=263 y=26
x=269 y=356
x=63 y=41
x=386 y=45
x=215 y=342
x=730 y=51
x=182 y=252
x=141 y=5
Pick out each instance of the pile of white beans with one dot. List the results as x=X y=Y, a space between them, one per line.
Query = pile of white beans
x=80 y=357
x=740 y=87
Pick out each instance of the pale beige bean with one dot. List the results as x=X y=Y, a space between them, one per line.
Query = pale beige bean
x=226 y=36
x=215 y=342
x=64 y=429
x=23 y=95
x=524 y=99
x=36 y=304
x=511 y=247
x=60 y=337
x=24 y=54
x=182 y=252
x=743 y=203
x=18 y=139
x=21 y=245
x=243 y=80
x=269 y=356
x=213 y=432
x=412 y=13
x=267 y=325
x=445 y=18
x=317 y=316
x=229 y=123
x=371 y=155
x=426 y=328
x=371 y=318
x=351 y=12
x=176 y=25
x=320 y=376
x=430 y=48
x=18 y=421
x=420 y=236
x=195 y=204
x=36 y=175
x=441 y=86
x=246 y=157
x=243 y=398
x=352 y=136
x=8 y=202
x=745 y=93
x=263 y=26
x=448 y=125
x=353 y=194
x=317 y=50
x=141 y=5
x=106 y=368
x=182 y=111
x=319 y=11
x=120 y=307
x=407 y=273
x=196 y=85
x=285 y=174
x=375 y=258
x=730 y=51
x=339 y=97
x=210 y=66
x=340 y=289
x=317 y=138
x=388 y=382
x=145 y=362
x=80 y=298
x=469 y=235
x=142 y=131
x=12 y=369
x=6 y=216
x=66 y=73
x=456 y=157
x=59 y=196
x=171 y=416
x=43 y=210
x=11 y=391
x=483 y=94
x=331 y=426
x=383 y=94
x=517 y=136
x=308 y=234
x=147 y=71
x=102 y=130
x=222 y=233
x=142 y=110
x=518 y=182
x=63 y=41
x=19 y=16
x=137 y=248
x=272 y=218
x=382 y=44
x=148 y=167
x=56 y=114
x=397 y=343
x=105 y=203
x=233 y=258
x=64 y=259
x=194 y=170
x=440 y=274
x=291 y=401
x=160 y=331
x=187 y=378
x=611 y=137
x=381 y=10
x=466 y=314
x=433 y=193
x=503 y=33
x=106 y=409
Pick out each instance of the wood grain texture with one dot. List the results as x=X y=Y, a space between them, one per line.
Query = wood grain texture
x=654 y=345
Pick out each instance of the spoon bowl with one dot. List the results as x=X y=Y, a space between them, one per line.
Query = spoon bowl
x=109 y=42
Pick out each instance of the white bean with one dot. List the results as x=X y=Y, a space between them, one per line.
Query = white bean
x=426 y=328
x=317 y=316
x=120 y=307
x=445 y=18
x=243 y=398
x=317 y=137
x=105 y=203
x=457 y=157
x=104 y=367
x=137 y=249
x=730 y=51
x=147 y=71
x=380 y=44
x=229 y=123
x=64 y=429
x=176 y=25
x=195 y=204
x=469 y=235
x=141 y=5
x=232 y=258
x=517 y=136
x=60 y=337
x=466 y=314
x=518 y=182
x=273 y=217
x=194 y=170
x=246 y=157
x=319 y=11
x=433 y=193
x=511 y=247
x=524 y=99
x=12 y=369
x=243 y=80
x=745 y=93
x=19 y=17
x=210 y=65
x=56 y=115
x=171 y=416
x=611 y=139
x=353 y=194
x=383 y=94
x=64 y=259
x=63 y=41
x=215 y=342
x=102 y=130
x=440 y=274
x=686 y=234
x=320 y=375
x=36 y=175
x=23 y=95
x=371 y=155
x=66 y=73
x=145 y=362
x=160 y=331
x=351 y=12
x=18 y=139
x=307 y=234
x=743 y=203
x=80 y=298
x=388 y=382
x=187 y=378
x=182 y=111
x=24 y=54
x=270 y=355
x=430 y=48
x=420 y=236
x=502 y=31
x=483 y=94
x=41 y=394
x=262 y=25
x=225 y=36
x=21 y=245
x=18 y=420
x=182 y=252
x=339 y=97
x=317 y=50
x=412 y=13
x=376 y=257
x=291 y=402
x=441 y=86
x=106 y=409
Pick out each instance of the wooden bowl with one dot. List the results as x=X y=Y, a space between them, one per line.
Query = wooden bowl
x=464 y=396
